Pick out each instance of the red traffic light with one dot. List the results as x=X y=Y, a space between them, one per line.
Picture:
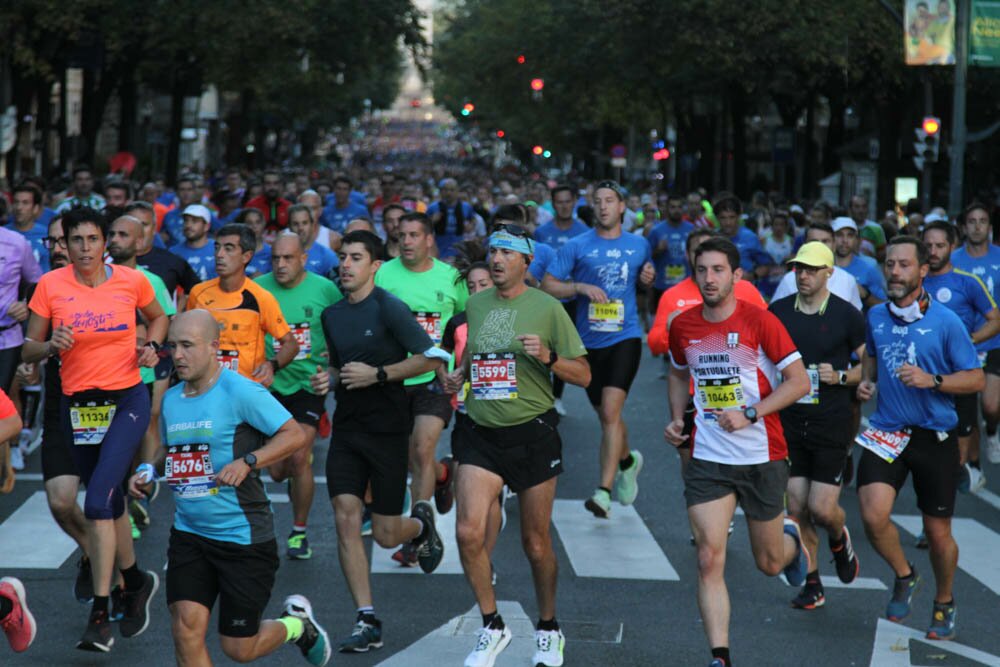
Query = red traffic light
x=469 y=106
x=521 y=60
x=537 y=150
x=931 y=125
x=662 y=154
x=501 y=134
x=537 y=84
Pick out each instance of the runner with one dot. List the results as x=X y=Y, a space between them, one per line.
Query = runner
x=517 y=335
x=965 y=295
x=320 y=259
x=434 y=292
x=981 y=258
x=81 y=193
x=302 y=297
x=826 y=330
x=605 y=266
x=735 y=353
x=91 y=309
x=188 y=194
x=245 y=310
x=668 y=242
x=391 y=216
x=841 y=283
x=174 y=271
x=16 y=620
x=271 y=203
x=30 y=221
x=196 y=249
x=220 y=429
x=914 y=426
x=341 y=209
x=864 y=269
x=368 y=336
x=871 y=233
x=260 y=263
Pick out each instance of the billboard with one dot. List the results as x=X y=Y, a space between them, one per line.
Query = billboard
x=984 y=33
x=930 y=32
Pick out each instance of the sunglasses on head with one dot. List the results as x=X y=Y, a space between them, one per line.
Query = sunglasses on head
x=513 y=229
x=610 y=185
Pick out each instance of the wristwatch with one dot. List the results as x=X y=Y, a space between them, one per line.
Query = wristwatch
x=153 y=344
x=251 y=460
x=553 y=358
x=938 y=379
x=751 y=414
x=841 y=377
x=381 y=375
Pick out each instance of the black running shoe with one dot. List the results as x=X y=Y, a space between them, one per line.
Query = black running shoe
x=117 y=604
x=846 y=560
x=83 y=588
x=136 y=618
x=431 y=551
x=810 y=597
x=97 y=637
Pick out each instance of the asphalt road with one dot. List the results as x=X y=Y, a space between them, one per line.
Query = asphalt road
x=626 y=600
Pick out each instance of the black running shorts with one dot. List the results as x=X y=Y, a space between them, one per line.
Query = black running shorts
x=429 y=399
x=613 y=366
x=355 y=458
x=306 y=407
x=967 y=409
x=816 y=451
x=524 y=455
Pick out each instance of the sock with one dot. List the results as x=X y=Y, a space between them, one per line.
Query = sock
x=100 y=605
x=910 y=575
x=133 y=577
x=550 y=625
x=626 y=462
x=813 y=578
x=298 y=527
x=722 y=653
x=974 y=464
x=605 y=489
x=443 y=476
x=493 y=621
x=293 y=628
x=949 y=603
x=6 y=606
x=837 y=545
x=367 y=614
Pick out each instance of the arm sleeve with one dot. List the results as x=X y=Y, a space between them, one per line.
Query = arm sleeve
x=274 y=321
x=333 y=359
x=144 y=294
x=404 y=327
x=30 y=271
x=562 y=266
x=657 y=338
x=961 y=351
x=566 y=339
x=188 y=278
x=677 y=356
x=981 y=296
x=870 y=348
x=39 y=303
x=857 y=332
x=776 y=342
x=259 y=408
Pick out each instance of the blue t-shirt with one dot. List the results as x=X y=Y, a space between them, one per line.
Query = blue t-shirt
x=321 y=259
x=36 y=237
x=260 y=263
x=986 y=268
x=173 y=225
x=542 y=259
x=671 y=266
x=452 y=229
x=614 y=266
x=557 y=238
x=202 y=259
x=230 y=420
x=337 y=218
x=965 y=295
x=938 y=344
x=751 y=252
x=865 y=270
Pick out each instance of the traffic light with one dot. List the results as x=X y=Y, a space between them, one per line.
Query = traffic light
x=537 y=150
x=468 y=108
x=521 y=60
x=661 y=154
x=546 y=153
x=928 y=143
x=538 y=85
x=501 y=134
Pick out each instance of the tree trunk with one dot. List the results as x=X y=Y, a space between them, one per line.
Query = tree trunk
x=127 y=113
x=176 y=125
x=737 y=116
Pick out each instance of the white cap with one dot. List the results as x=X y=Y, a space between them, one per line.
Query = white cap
x=198 y=211
x=935 y=217
x=843 y=222
x=795 y=208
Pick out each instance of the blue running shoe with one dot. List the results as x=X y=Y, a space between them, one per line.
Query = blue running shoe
x=796 y=571
x=943 y=621
x=902 y=595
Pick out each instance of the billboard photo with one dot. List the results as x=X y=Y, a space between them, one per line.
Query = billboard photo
x=930 y=32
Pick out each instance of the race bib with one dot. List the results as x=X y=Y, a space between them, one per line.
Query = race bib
x=812 y=398
x=229 y=359
x=431 y=323
x=718 y=395
x=303 y=336
x=493 y=376
x=674 y=272
x=90 y=420
x=884 y=444
x=189 y=471
x=606 y=317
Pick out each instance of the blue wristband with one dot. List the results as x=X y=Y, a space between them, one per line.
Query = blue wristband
x=148 y=471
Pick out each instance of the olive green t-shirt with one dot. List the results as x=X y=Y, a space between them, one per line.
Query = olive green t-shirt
x=508 y=387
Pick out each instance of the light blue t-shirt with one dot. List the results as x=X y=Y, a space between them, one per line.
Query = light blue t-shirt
x=986 y=268
x=173 y=225
x=337 y=218
x=202 y=259
x=36 y=237
x=671 y=266
x=866 y=271
x=202 y=435
x=937 y=343
x=751 y=252
x=541 y=260
x=965 y=295
x=321 y=260
x=614 y=266
x=557 y=238
x=260 y=263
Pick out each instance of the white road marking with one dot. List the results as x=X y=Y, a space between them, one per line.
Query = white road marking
x=31 y=539
x=892 y=647
x=978 y=547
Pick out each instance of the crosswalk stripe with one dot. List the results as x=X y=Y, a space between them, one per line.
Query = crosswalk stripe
x=31 y=539
x=894 y=645
x=978 y=547
x=989 y=497
x=619 y=548
x=382 y=562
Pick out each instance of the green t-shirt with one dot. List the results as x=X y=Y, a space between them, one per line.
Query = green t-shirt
x=148 y=375
x=302 y=306
x=433 y=296
x=508 y=387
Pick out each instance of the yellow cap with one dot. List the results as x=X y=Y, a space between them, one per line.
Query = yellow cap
x=814 y=254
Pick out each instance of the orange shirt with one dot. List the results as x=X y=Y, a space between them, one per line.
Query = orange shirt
x=685 y=295
x=103 y=320
x=6 y=406
x=245 y=316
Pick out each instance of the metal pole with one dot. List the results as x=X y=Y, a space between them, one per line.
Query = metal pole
x=956 y=174
x=927 y=179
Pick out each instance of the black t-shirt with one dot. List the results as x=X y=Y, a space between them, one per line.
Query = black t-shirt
x=378 y=331
x=827 y=337
x=448 y=337
x=173 y=270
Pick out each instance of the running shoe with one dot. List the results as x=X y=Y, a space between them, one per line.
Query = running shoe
x=846 y=560
x=444 y=492
x=627 y=481
x=717 y=662
x=902 y=596
x=138 y=511
x=548 y=648
x=489 y=644
x=921 y=541
x=406 y=555
x=560 y=408
x=298 y=546
x=796 y=571
x=977 y=480
x=599 y=504
x=431 y=551
x=117 y=604
x=136 y=618
x=19 y=625
x=942 y=622
x=365 y=637
x=993 y=448
x=136 y=534
x=16 y=458
x=83 y=587
x=313 y=642
x=366 y=521
x=810 y=597
x=97 y=637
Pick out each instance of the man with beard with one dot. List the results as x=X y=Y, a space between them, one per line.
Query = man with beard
x=271 y=203
x=188 y=194
x=196 y=248
x=391 y=216
x=667 y=240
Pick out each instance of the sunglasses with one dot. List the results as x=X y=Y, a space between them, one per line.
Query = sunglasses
x=515 y=230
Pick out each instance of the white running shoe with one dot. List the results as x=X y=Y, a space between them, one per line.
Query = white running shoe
x=549 y=648
x=993 y=448
x=16 y=458
x=489 y=644
x=977 y=480
x=560 y=408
